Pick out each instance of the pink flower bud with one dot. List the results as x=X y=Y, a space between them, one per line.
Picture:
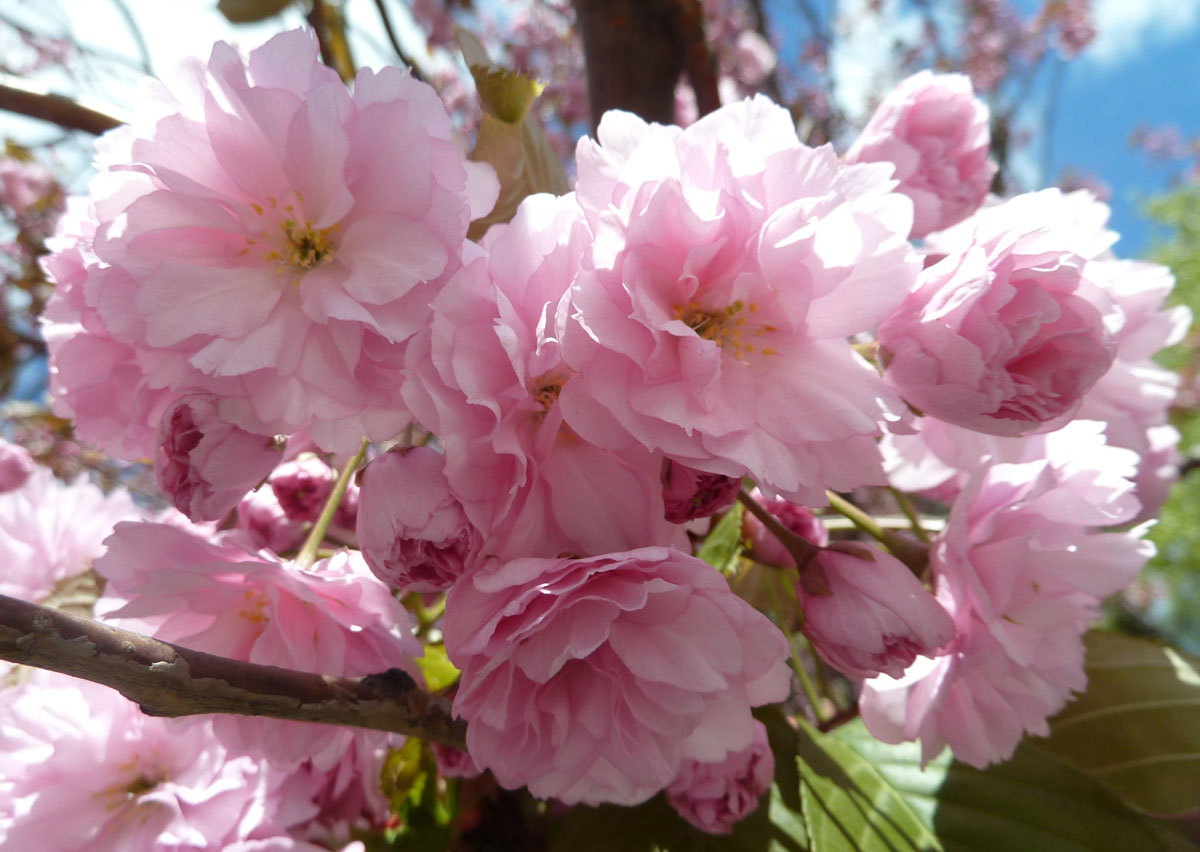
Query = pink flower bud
x=713 y=796
x=264 y=522
x=411 y=527
x=866 y=613
x=205 y=465
x=1007 y=332
x=302 y=486
x=765 y=546
x=454 y=762
x=16 y=465
x=935 y=131
x=689 y=493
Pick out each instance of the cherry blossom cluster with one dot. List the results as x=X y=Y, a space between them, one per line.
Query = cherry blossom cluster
x=271 y=268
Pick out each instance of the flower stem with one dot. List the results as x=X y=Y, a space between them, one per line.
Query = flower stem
x=910 y=511
x=800 y=549
x=914 y=554
x=810 y=691
x=308 y=553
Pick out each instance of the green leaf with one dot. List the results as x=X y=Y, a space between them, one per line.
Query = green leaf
x=1137 y=728
x=848 y=805
x=724 y=543
x=438 y=670
x=1032 y=802
x=654 y=826
x=249 y=11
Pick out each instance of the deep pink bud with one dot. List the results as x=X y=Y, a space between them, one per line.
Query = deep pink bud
x=866 y=613
x=302 y=486
x=713 y=796
x=205 y=465
x=412 y=529
x=266 y=525
x=689 y=493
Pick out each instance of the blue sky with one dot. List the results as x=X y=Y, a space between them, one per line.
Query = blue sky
x=1147 y=71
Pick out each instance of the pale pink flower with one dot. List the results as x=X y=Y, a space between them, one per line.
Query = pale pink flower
x=764 y=545
x=592 y=680
x=936 y=133
x=205 y=465
x=81 y=767
x=277 y=251
x=263 y=522
x=16 y=466
x=96 y=380
x=487 y=379
x=713 y=796
x=1022 y=571
x=411 y=528
x=334 y=618
x=302 y=486
x=753 y=58
x=1004 y=334
x=689 y=494
x=729 y=266
x=51 y=530
x=865 y=613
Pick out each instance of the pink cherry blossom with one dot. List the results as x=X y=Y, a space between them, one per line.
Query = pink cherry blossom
x=83 y=768
x=689 y=494
x=16 y=466
x=51 y=531
x=592 y=680
x=1022 y=570
x=412 y=530
x=936 y=132
x=205 y=465
x=487 y=379
x=710 y=320
x=302 y=486
x=274 y=250
x=1004 y=334
x=334 y=618
x=96 y=380
x=713 y=796
x=865 y=613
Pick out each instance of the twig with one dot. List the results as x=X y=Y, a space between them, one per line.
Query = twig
x=20 y=97
x=395 y=42
x=167 y=680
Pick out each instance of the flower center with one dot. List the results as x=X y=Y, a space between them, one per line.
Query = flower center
x=287 y=237
x=727 y=327
x=547 y=387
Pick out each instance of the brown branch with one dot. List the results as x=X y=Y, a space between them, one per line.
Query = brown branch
x=20 y=97
x=634 y=54
x=167 y=680
x=699 y=62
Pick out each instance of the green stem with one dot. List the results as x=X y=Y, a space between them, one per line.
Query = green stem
x=810 y=691
x=857 y=516
x=910 y=511
x=308 y=553
x=914 y=554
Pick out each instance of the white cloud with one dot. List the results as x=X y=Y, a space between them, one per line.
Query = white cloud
x=861 y=62
x=1126 y=28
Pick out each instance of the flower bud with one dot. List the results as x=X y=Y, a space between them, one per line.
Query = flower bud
x=302 y=486
x=689 y=493
x=865 y=613
x=205 y=465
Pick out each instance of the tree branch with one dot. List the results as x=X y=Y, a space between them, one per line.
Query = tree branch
x=20 y=97
x=634 y=54
x=167 y=680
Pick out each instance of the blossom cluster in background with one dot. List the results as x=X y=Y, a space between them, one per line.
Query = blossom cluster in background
x=271 y=268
